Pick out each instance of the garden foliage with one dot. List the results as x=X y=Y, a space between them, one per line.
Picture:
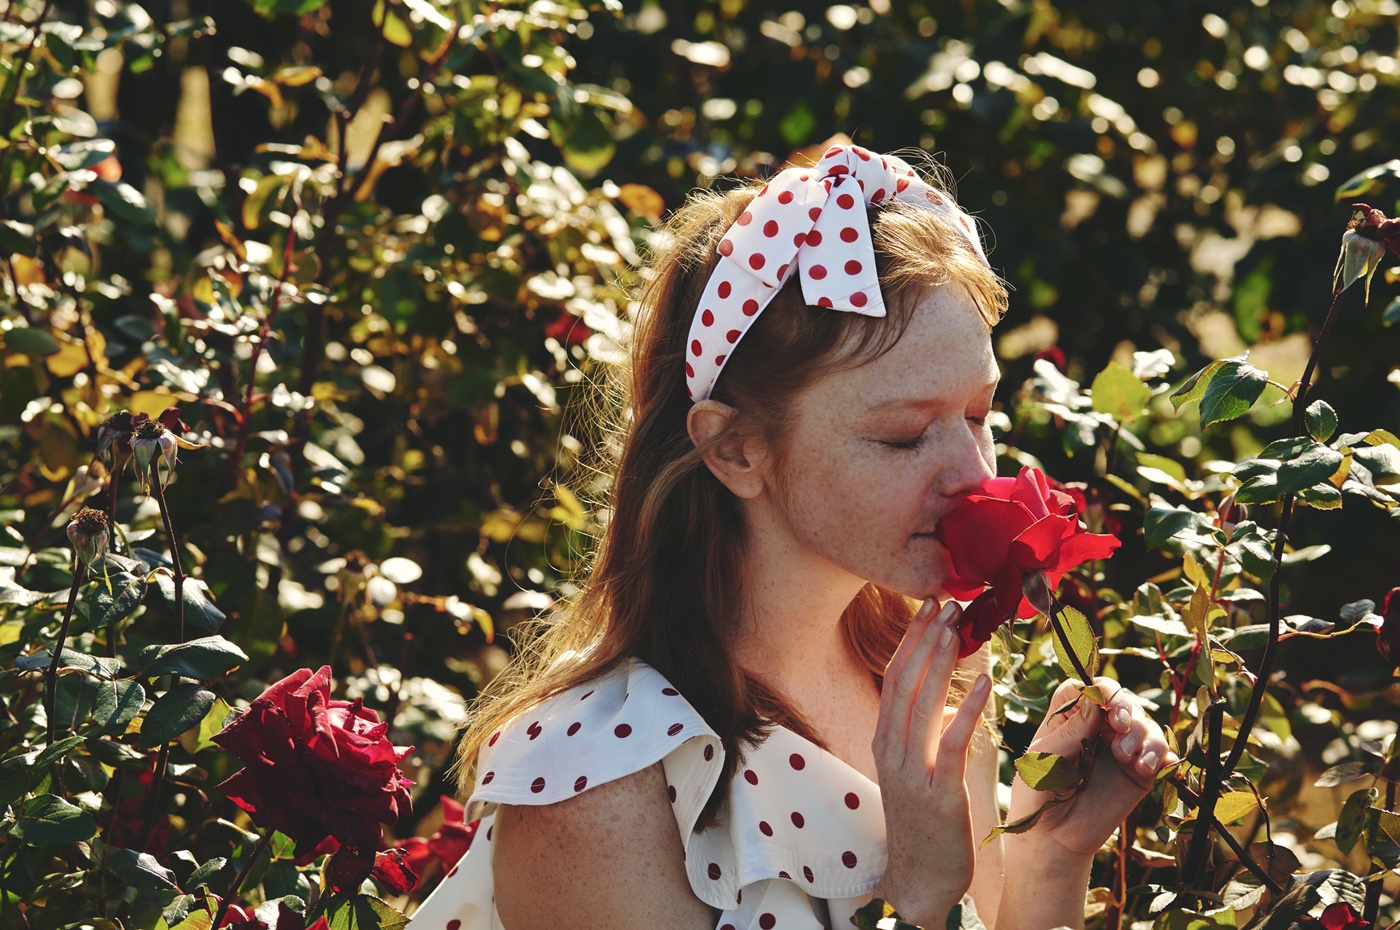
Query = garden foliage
x=302 y=309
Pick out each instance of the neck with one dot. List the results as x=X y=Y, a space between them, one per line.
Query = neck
x=789 y=631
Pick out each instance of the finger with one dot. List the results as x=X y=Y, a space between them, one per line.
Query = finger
x=917 y=626
x=926 y=711
x=1067 y=739
x=951 y=766
x=902 y=688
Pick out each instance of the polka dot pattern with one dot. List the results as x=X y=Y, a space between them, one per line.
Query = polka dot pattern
x=801 y=824
x=815 y=225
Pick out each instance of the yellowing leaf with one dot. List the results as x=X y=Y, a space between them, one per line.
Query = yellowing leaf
x=1234 y=805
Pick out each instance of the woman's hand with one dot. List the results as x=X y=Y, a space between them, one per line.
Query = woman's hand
x=921 y=764
x=1123 y=773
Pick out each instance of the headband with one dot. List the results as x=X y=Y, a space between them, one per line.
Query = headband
x=811 y=222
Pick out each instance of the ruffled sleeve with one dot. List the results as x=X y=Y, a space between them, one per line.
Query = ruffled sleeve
x=593 y=734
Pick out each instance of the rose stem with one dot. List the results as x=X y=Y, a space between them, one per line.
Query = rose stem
x=112 y=521
x=1211 y=783
x=1256 y=697
x=1373 y=887
x=1190 y=797
x=157 y=782
x=242 y=874
x=174 y=549
x=51 y=674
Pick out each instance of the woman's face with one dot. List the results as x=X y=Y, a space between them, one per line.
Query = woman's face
x=878 y=453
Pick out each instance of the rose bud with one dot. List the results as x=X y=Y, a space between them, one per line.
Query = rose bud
x=90 y=532
x=149 y=439
x=114 y=435
x=1388 y=633
x=1363 y=247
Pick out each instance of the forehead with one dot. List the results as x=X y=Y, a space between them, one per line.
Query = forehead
x=946 y=352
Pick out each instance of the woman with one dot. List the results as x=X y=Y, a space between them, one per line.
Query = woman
x=742 y=720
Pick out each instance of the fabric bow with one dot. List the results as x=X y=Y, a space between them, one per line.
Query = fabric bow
x=811 y=222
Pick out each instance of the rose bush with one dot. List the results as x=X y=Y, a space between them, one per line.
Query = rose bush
x=1007 y=528
x=316 y=767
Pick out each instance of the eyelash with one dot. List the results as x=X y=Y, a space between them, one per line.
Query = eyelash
x=918 y=440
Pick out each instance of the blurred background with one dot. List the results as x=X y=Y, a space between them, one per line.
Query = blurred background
x=420 y=221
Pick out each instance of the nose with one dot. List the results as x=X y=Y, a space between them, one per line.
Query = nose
x=970 y=460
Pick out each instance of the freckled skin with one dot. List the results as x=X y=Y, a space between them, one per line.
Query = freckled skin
x=857 y=504
x=843 y=510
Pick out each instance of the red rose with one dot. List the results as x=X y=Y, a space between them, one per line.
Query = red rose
x=315 y=767
x=1005 y=530
x=1338 y=916
x=445 y=847
x=1388 y=633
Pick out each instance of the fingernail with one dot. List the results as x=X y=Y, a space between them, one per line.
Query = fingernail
x=980 y=686
x=1148 y=762
x=1128 y=744
x=925 y=608
x=1122 y=717
x=946 y=614
x=945 y=638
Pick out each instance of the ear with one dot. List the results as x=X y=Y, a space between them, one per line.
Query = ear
x=740 y=459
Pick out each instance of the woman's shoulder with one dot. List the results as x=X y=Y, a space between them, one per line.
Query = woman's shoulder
x=598 y=731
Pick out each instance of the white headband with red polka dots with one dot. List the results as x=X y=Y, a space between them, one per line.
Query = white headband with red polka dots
x=810 y=221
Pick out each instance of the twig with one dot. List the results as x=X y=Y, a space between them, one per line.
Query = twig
x=17 y=71
x=1240 y=852
x=1211 y=793
x=174 y=547
x=51 y=674
x=157 y=783
x=1372 y=906
x=242 y=874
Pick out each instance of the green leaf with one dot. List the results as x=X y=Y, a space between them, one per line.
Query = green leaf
x=208 y=870
x=1363 y=182
x=1081 y=640
x=1234 y=805
x=1391 y=314
x=140 y=870
x=1045 y=771
x=1321 y=420
x=177 y=710
x=31 y=341
x=1119 y=393
x=57 y=750
x=1194 y=387
x=1351 y=822
x=117 y=704
x=126 y=594
x=1314 y=464
x=1025 y=823
x=48 y=820
x=1162 y=523
x=1261 y=489
x=207 y=657
x=1233 y=390
x=1344 y=772
x=97 y=665
x=199 y=610
x=1251 y=299
x=365 y=912
x=124 y=202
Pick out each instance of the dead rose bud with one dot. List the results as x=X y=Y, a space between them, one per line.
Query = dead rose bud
x=114 y=435
x=1036 y=588
x=90 y=532
x=1367 y=238
x=149 y=439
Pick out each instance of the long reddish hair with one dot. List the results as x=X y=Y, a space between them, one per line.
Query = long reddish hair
x=668 y=571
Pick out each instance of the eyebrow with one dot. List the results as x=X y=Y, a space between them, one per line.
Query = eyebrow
x=919 y=403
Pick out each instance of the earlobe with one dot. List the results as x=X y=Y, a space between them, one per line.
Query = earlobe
x=733 y=456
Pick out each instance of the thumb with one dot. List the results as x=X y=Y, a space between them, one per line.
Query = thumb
x=1084 y=722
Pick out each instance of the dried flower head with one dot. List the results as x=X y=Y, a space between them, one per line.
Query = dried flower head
x=114 y=435
x=1369 y=235
x=149 y=439
x=90 y=532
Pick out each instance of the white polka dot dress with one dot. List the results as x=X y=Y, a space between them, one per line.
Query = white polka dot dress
x=800 y=841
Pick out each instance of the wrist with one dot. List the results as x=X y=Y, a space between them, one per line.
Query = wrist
x=1044 y=859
